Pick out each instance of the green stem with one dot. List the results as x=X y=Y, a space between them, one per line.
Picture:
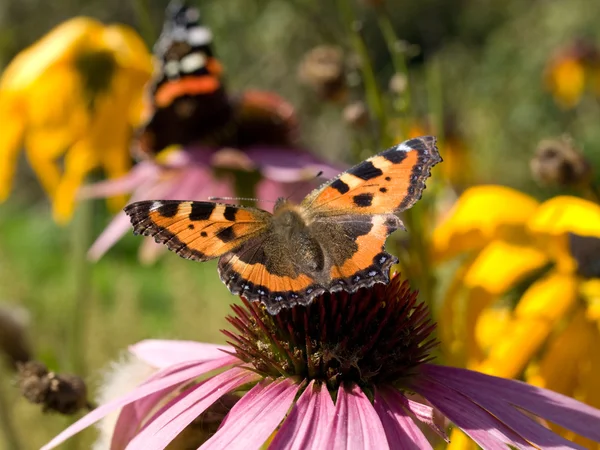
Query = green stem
x=6 y=425
x=398 y=56
x=373 y=94
x=80 y=308
x=144 y=18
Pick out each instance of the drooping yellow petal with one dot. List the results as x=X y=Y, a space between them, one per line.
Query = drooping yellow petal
x=482 y=214
x=559 y=216
x=560 y=366
x=12 y=127
x=501 y=264
x=539 y=310
x=79 y=161
x=56 y=48
x=478 y=301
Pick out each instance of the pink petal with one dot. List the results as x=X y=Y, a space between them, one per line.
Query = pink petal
x=304 y=427
x=183 y=410
x=164 y=353
x=132 y=415
x=191 y=371
x=496 y=394
x=254 y=418
x=481 y=426
x=115 y=230
x=356 y=424
x=401 y=431
x=421 y=412
x=140 y=173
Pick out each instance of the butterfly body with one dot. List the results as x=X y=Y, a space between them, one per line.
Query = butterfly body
x=333 y=240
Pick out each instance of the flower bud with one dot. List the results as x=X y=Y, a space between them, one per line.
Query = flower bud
x=323 y=69
x=558 y=162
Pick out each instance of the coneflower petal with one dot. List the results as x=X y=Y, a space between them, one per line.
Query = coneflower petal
x=400 y=430
x=182 y=411
x=163 y=353
x=304 y=428
x=355 y=423
x=489 y=390
x=481 y=426
x=255 y=416
x=187 y=371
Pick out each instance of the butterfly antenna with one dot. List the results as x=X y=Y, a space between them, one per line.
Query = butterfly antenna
x=312 y=179
x=257 y=200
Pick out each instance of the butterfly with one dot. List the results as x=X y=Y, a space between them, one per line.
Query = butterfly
x=187 y=102
x=333 y=240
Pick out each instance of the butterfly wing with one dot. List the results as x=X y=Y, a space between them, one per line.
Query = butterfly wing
x=389 y=182
x=353 y=214
x=263 y=269
x=198 y=231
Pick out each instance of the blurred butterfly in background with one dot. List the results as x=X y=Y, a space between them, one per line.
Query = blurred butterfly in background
x=333 y=240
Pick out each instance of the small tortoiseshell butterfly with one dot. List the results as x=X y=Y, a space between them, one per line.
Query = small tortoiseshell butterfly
x=333 y=240
x=187 y=98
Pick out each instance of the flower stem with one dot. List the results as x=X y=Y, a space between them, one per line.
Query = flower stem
x=6 y=425
x=372 y=91
x=145 y=21
x=81 y=233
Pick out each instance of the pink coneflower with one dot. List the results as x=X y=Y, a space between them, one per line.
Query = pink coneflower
x=348 y=371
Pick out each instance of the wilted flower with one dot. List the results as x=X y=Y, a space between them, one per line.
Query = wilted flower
x=571 y=70
x=538 y=256
x=369 y=351
x=356 y=114
x=76 y=94
x=323 y=69
x=61 y=393
x=558 y=162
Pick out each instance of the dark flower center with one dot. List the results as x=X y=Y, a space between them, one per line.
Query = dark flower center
x=97 y=69
x=377 y=335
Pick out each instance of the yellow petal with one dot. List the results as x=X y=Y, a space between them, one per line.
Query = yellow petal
x=79 y=161
x=460 y=441
x=129 y=49
x=565 y=214
x=481 y=214
x=501 y=264
x=56 y=48
x=493 y=324
x=560 y=366
x=541 y=307
x=477 y=302
x=590 y=293
x=12 y=127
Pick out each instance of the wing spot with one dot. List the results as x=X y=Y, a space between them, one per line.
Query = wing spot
x=261 y=292
x=278 y=298
x=166 y=209
x=366 y=171
x=363 y=200
x=229 y=213
x=372 y=273
x=340 y=186
x=356 y=278
x=395 y=156
x=203 y=234
x=383 y=190
x=226 y=234
x=382 y=259
x=201 y=211
x=191 y=226
x=388 y=179
x=309 y=290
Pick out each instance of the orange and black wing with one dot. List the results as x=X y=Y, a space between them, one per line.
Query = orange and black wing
x=389 y=182
x=197 y=230
x=353 y=214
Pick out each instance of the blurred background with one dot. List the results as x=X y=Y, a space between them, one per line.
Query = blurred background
x=496 y=81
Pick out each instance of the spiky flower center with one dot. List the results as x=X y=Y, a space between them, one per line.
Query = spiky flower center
x=376 y=335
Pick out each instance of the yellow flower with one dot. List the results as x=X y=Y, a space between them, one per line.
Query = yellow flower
x=535 y=256
x=71 y=100
x=573 y=69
